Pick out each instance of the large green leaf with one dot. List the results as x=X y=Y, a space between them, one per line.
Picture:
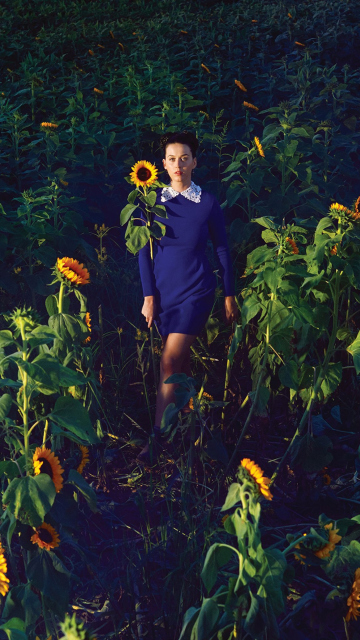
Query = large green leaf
x=270 y=576
x=208 y=617
x=14 y=629
x=289 y=376
x=66 y=326
x=217 y=556
x=235 y=342
x=332 y=378
x=47 y=574
x=6 y=338
x=70 y=414
x=250 y=307
x=136 y=237
x=126 y=212
x=233 y=496
x=29 y=499
x=189 y=620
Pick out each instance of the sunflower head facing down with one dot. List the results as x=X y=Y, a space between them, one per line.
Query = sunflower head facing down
x=143 y=174
x=46 y=537
x=84 y=458
x=45 y=461
x=251 y=472
x=72 y=272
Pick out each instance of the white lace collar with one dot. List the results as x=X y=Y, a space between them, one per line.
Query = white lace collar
x=192 y=193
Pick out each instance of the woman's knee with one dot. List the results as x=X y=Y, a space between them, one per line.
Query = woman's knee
x=170 y=364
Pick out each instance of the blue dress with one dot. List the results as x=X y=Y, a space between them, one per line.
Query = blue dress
x=183 y=281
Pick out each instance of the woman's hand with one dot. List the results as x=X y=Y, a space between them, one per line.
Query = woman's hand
x=149 y=310
x=231 y=309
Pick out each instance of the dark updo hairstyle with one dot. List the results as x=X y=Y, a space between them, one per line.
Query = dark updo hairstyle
x=184 y=137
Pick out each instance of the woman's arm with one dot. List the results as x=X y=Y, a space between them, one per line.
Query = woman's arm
x=218 y=237
x=145 y=267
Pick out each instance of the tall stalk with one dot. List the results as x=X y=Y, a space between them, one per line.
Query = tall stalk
x=25 y=407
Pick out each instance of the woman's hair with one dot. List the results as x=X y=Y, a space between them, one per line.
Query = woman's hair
x=184 y=137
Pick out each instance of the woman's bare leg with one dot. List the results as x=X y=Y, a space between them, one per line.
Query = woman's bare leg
x=175 y=356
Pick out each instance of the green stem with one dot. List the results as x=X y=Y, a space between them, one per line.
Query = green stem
x=25 y=408
x=253 y=406
x=61 y=297
x=320 y=378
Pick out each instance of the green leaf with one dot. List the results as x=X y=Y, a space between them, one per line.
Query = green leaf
x=266 y=221
x=354 y=349
x=47 y=574
x=126 y=213
x=80 y=483
x=5 y=405
x=6 y=338
x=233 y=496
x=250 y=307
x=70 y=414
x=311 y=454
x=258 y=256
x=273 y=278
x=235 y=342
x=150 y=199
x=212 y=328
x=217 y=556
x=289 y=376
x=189 y=620
x=270 y=576
x=269 y=236
x=132 y=196
x=262 y=400
x=14 y=629
x=29 y=499
x=332 y=378
x=66 y=326
x=208 y=617
x=136 y=237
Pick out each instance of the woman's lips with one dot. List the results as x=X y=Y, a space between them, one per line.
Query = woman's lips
x=178 y=173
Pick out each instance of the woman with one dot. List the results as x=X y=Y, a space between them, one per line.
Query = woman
x=179 y=292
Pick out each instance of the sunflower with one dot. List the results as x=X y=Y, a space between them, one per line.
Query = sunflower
x=45 y=461
x=72 y=271
x=205 y=398
x=333 y=250
x=240 y=85
x=49 y=125
x=46 y=537
x=353 y=601
x=4 y=580
x=357 y=207
x=250 y=106
x=324 y=552
x=340 y=212
x=88 y=324
x=143 y=173
x=259 y=147
x=256 y=476
x=293 y=245
x=84 y=458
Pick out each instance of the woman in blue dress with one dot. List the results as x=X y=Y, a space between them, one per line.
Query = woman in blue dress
x=179 y=292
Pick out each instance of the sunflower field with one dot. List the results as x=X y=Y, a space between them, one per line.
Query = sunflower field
x=246 y=524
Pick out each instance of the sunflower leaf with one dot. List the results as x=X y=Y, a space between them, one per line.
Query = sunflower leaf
x=72 y=415
x=29 y=499
x=80 y=483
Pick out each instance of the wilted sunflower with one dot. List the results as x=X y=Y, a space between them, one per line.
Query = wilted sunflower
x=46 y=537
x=84 y=458
x=205 y=398
x=4 y=580
x=340 y=212
x=333 y=250
x=88 y=324
x=329 y=546
x=240 y=85
x=250 y=106
x=251 y=471
x=45 y=461
x=293 y=245
x=72 y=272
x=353 y=601
x=259 y=147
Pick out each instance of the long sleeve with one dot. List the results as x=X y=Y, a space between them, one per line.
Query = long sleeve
x=146 y=270
x=218 y=237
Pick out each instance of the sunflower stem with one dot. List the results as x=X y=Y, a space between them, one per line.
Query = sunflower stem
x=25 y=408
x=61 y=297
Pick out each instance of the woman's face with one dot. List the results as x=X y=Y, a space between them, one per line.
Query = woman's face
x=179 y=162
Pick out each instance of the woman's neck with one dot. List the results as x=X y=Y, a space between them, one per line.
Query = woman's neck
x=179 y=186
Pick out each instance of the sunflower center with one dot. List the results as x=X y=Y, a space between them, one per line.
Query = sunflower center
x=46 y=467
x=45 y=535
x=144 y=174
